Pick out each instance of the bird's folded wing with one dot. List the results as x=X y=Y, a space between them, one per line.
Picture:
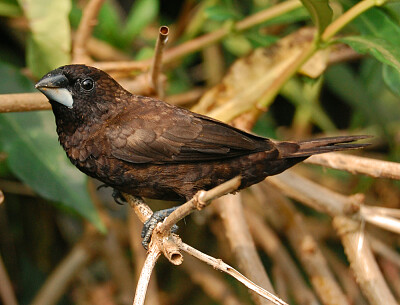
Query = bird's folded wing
x=182 y=137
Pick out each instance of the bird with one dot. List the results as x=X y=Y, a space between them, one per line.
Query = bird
x=148 y=148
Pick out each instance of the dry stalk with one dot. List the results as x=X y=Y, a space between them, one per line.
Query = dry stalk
x=59 y=280
x=6 y=289
x=85 y=28
x=220 y=265
x=362 y=261
x=230 y=210
x=271 y=244
x=358 y=165
x=155 y=70
x=23 y=102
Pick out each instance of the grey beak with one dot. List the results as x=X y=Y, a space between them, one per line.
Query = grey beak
x=54 y=87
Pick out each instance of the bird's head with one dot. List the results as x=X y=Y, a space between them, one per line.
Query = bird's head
x=79 y=92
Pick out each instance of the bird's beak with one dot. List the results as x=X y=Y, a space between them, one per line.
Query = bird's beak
x=54 y=87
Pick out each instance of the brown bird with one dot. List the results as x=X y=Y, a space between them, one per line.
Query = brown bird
x=146 y=147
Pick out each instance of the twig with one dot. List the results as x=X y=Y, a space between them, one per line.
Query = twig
x=306 y=248
x=23 y=102
x=151 y=259
x=198 y=202
x=220 y=265
x=1 y=197
x=205 y=40
x=271 y=244
x=88 y=21
x=6 y=290
x=230 y=210
x=157 y=61
x=139 y=257
x=358 y=165
x=211 y=282
x=16 y=187
x=59 y=280
x=382 y=249
x=118 y=266
x=366 y=270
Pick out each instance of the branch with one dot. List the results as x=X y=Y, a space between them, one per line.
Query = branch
x=59 y=280
x=358 y=165
x=151 y=259
x=199 y=202
x=6 y=290
x=220 y=265
x=205 y=40
x=85 y=28
x=362 y=261
x=19 y=102
x=157 y=61
x=230 y=209
x=271 y=244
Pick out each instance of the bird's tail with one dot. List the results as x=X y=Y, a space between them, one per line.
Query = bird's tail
x=320 y=146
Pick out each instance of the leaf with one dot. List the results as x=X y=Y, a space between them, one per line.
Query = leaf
x=221 y=13
x=391 y=77
x=320 y=11
x=35 y=157
x=10 y=8
x=49 y=44
x=142 y=13
x=381 y=49
x=375 y=22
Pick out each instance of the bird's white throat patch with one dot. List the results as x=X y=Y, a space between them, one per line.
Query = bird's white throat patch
x=60 y=95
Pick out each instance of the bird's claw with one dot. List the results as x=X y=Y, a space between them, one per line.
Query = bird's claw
x=118 y=197
x=152 y=222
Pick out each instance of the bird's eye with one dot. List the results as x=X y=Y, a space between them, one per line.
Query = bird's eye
x=87 y=84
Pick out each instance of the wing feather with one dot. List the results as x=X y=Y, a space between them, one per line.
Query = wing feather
x=171 y=135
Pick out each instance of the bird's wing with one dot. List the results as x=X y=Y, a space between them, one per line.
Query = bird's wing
x=159 y=133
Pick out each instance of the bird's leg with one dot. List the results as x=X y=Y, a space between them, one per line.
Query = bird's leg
x=118 y=197
x=152 y=222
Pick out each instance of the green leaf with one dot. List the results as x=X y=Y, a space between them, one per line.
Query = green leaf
x=109 y=25
x=221 y=13
x=142 y=13
x=320 y=11
x=391 y=77
x=49 y=45
x=377 y=23
x=381 y=49
x=35 y=157
x=10 y=8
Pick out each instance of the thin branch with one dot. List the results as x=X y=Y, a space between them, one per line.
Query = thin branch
x=230 y=209
x=151 y=259
x=199 y=202
x=220 y=265
x=272 y=245
x=212 y=283
x=358 y=165
x=157 y=61
x=19 y=102
x=306 y=248
x=85 y=28
x=59 y=280
x=205 y=40
x=362 y=261
x=6 y=290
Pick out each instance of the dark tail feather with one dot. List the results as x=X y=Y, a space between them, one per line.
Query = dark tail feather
x=323 y=145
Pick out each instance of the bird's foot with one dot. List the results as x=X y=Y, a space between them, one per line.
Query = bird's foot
x=152 y=222
x=118 y=197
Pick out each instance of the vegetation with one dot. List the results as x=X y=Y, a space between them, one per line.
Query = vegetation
x=286 y=70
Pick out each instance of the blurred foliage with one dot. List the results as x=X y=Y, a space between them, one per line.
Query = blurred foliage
x=359 y=96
